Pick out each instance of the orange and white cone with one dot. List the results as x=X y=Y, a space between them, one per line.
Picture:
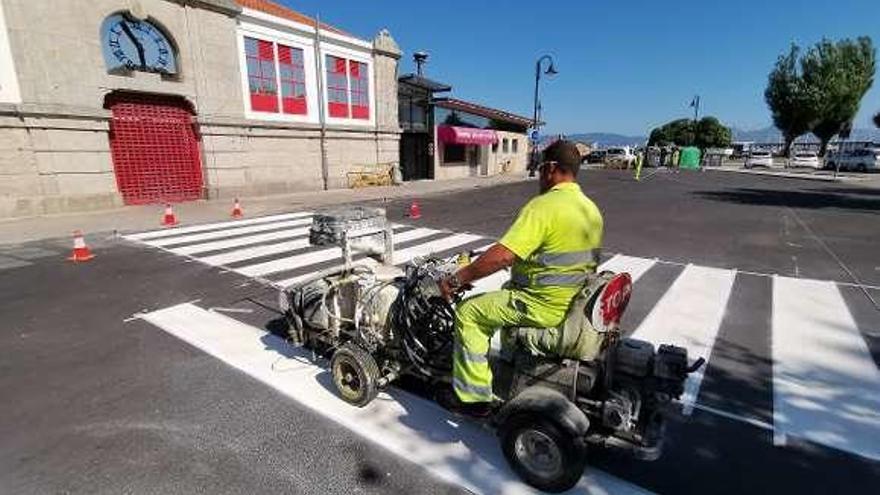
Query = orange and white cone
x=169 y=218
x=81 y=252
x=236 y=209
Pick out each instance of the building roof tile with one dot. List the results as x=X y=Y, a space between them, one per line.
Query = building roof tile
x=487 y=112
x=278 y=10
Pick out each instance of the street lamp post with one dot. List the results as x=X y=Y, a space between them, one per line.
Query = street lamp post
x=550 y=70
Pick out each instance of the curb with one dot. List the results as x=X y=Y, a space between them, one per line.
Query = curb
x=789 y=175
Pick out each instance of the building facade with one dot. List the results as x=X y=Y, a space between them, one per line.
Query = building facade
x=472 y=140
x=112 y=102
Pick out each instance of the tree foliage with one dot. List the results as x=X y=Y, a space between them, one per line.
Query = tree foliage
x=837 y=75
x=788 y=98
x=820 y=91
x=710 y=133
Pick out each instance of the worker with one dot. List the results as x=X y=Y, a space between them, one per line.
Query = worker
x=552 y=246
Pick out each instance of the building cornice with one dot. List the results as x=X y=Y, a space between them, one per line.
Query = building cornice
x=227 y=7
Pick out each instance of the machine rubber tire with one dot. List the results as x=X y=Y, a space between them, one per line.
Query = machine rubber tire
x=521 y=429
x=355 y=374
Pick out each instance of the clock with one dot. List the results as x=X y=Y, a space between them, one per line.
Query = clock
x=134 y=45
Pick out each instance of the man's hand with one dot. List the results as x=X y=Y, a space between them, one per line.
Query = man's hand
x=446 y=289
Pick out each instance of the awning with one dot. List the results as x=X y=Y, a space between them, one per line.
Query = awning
x=465 y=135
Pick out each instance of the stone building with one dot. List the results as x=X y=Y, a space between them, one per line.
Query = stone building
x=112 y=102
x=448 y=138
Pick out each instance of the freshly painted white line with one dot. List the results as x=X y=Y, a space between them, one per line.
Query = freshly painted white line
x=736 y=417
x=255 y=252
x=241 y=241
x=258 y=251
x=315 y=257
x=436 y=246
x=826 y=385
x=140 y=236
x=400 y=257
x=689 y=315
x=636 y=267
x=455 y=450
x=207 y=236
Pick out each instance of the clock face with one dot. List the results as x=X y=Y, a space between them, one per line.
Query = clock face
x=130 y=44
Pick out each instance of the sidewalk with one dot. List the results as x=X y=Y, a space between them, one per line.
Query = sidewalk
x=146 y=217
x=804 y=174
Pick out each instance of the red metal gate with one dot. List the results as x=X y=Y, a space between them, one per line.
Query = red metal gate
x=155 y=149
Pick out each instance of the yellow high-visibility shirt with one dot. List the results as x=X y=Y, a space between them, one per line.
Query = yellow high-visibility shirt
x=556 y=238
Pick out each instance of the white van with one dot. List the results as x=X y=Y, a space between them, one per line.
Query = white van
x=860 y=160
x=621 y=157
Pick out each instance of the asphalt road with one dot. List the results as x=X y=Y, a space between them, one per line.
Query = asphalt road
x=97 y=402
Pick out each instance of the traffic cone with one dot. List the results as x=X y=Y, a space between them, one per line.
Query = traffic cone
x=81 y=252
x=415 y=211
x=169 y=218
x=236 y=209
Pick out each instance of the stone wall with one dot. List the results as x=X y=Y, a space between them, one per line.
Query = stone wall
x=54 y=143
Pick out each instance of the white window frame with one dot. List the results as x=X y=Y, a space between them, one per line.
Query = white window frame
x=9 y=90
x=288 y=39
x=357 y=56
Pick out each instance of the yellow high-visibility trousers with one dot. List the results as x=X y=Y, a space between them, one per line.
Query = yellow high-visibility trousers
x=476 y=321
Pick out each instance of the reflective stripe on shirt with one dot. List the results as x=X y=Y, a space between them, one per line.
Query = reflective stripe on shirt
x=569 y=258
x=550 y=279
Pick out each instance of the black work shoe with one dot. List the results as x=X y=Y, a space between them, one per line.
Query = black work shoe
x=448 y=399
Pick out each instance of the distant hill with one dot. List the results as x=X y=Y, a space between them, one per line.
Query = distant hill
x=772 y=135
x=606 y=139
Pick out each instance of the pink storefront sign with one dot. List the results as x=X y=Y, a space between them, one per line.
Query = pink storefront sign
x=466 y=135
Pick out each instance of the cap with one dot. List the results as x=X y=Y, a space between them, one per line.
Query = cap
x=564 y=153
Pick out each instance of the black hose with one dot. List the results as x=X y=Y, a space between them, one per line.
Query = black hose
x=424 y=322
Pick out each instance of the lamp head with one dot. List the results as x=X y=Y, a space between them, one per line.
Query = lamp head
x=551 y=70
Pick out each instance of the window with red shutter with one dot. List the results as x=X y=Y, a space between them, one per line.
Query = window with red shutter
x=262 y=83
x=337 y=87
x=360 y=90
x=291 y=68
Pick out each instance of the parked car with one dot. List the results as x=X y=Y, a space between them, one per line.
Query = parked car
x=621 y=157
x=596 y=156
x=860 y=160
x=759 y=159
x=805 y=159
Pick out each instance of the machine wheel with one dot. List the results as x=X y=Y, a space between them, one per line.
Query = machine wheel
x=544 y=455
x=355 y=374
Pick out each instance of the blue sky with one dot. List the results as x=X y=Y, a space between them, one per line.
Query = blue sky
x=625 y=66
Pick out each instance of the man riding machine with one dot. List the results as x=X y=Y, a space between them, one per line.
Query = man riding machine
x=564 y=378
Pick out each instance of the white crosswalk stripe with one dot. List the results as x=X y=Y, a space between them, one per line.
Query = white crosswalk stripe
x=826 y=386
x=825 y=381
x=689 y=315
x=241 y=241
x=212 y=226
x=458 y=452
x=206 y=236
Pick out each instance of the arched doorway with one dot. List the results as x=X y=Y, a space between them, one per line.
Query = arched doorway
x=155 y=148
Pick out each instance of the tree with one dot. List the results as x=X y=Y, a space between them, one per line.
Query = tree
x=710 y=134
x=837 y=76
x=788 y=98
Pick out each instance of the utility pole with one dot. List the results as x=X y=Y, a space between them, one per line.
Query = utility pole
x=319 y=67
